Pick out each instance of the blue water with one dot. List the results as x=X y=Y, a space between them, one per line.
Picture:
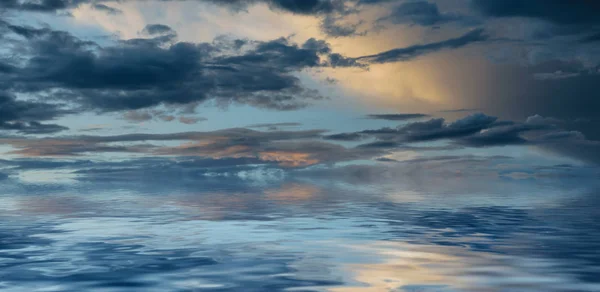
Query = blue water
x=300 y=235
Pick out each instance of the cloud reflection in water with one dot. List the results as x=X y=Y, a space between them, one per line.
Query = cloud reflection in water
x=299 y=236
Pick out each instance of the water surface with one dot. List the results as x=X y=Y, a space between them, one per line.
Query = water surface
x=300 y=235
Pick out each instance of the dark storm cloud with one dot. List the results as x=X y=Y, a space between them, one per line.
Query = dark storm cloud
x=435 y=129
x=559 y=69
x=480 y=130
x=26 y=116
x=331 y=12
x=397 y=117
x=566 y=90
x=143 y=73
x=421 y=13
x=304 y=7
x=412 y=52
x=308 y=6
x=40 y=5
x=556 y=11
x=591 y=38
x=370 y=2
x=503 y=135
x=32 y=127
x=476 y=130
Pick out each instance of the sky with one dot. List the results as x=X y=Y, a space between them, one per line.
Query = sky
x=91 y=89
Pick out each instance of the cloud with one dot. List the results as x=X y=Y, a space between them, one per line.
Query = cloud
x=305 y=7
x=26 y=116
x=107 y=9
x=497 y=136
x=286 y=148
x=421 y=13
x=157 y=29
x=273 y=126
x=333 y=28
x=480 y=130
x=346 y=137
x=459 y=110
x=144 y=115
x=434 y=129
x=397 y=117
x=41 y=6
x=190 y=120
x=302 y=7
x=561 y=89
x=142 y=73
x=591 y=38
x=137 y=116
x=412 y=52
x=308 y=6
x=556 y=11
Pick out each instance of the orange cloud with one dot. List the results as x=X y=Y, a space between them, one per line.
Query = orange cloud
x=288 y=159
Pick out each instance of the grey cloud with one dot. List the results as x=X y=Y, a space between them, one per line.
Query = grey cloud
x=107 y=9
x=558 y=69
x=557 y=11
x=572 y=144
x=555 y=75
x=371 y=2
x=137 y=116
x=517 y=93
x=190 y=120
x=412 y=52
x=421 y=13
x=435 y=129
x=143 y=115
x=337 y=60
x=285 y=148
x=397 y=117
x=143 y=73
x=74 y=145
x=32 y=127
x=41 y=6
x=475 y=130
x=346 y=137
x=273 y=126
x=331 y=27
x=306 y=7
x=305 y=148
x=591 y=38
x=154 y=29
x=503 y=135
x=26 y=116
x=460 y=110
x=563 y=18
